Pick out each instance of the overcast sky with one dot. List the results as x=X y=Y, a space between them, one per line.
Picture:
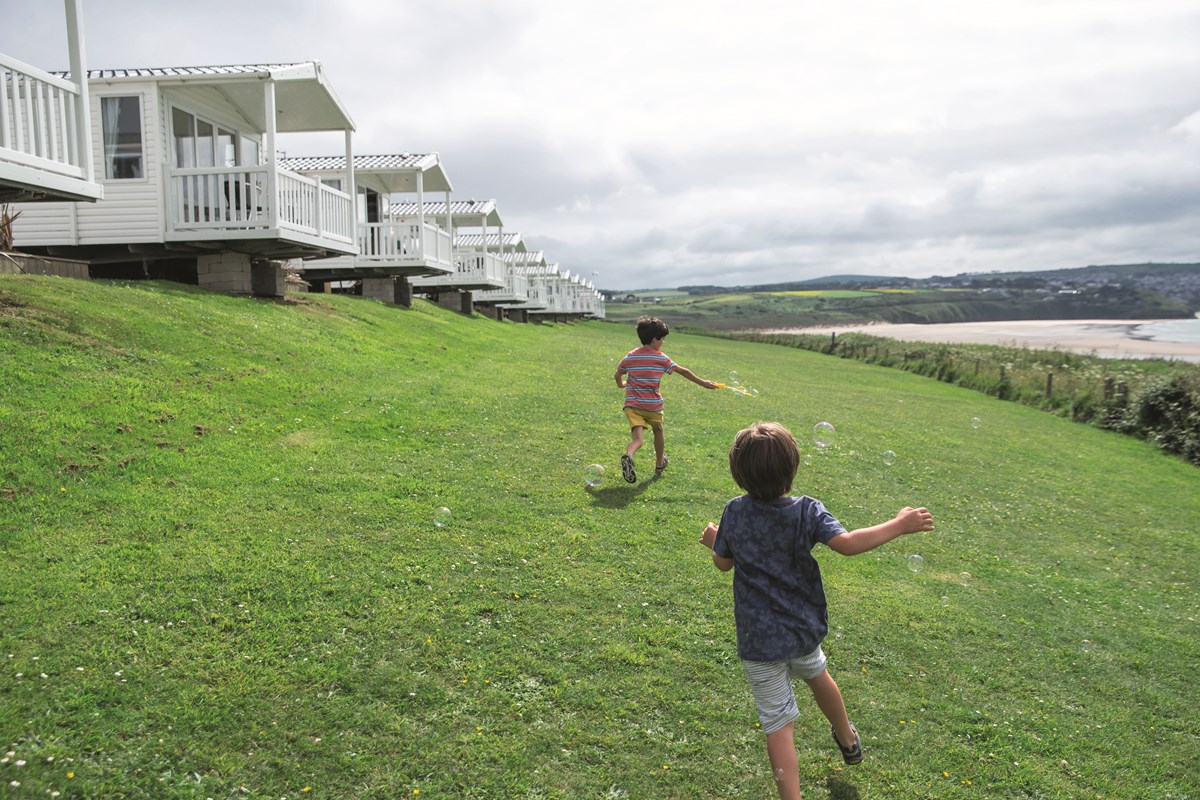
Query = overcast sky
x=667 y=143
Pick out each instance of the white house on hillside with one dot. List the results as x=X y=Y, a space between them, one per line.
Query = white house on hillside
x=523 y=264
x=388 y=247
x=45 y=129
x=193 y=186
x=567 y=296
x=475 y=267
x=516 y=287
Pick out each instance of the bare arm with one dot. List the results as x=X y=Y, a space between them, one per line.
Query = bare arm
x=620 y=378
x=908 y=520
x=691 y=376
x=707 y=539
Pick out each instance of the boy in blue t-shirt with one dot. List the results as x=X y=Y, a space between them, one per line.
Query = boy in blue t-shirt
x=778 y=599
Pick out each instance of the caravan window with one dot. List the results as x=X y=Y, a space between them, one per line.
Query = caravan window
x=121 y=129
x=201 y=143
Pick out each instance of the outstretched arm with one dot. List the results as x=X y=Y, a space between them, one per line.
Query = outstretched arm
x=908 y=520
x=687 y=373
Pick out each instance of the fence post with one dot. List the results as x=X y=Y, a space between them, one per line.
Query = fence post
x=1108 y=388
x=1123 y=393
x=1049 y=384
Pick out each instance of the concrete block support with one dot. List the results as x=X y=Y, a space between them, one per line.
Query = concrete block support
x=267 y=279
x=491 y=310
x=225 y=272
x=381 y=289
x=404 y=293
x=456 y=301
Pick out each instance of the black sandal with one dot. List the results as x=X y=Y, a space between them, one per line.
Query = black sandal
x=659 y=470
x=851 y=755
x=627 y=470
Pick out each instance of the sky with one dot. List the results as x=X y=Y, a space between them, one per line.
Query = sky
x=662 y=144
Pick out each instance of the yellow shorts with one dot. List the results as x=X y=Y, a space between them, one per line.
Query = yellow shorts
x=640 y=418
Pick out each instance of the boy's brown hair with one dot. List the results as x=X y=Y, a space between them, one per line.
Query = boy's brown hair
x=651 y=328
x=764 y=459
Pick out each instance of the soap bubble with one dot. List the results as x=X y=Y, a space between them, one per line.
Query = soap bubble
x=441 y=517
x=976 y=422
x=945 y=600
x=823 y=434
x=964 y=578
x=916 y=563
x=593 y=475
x=807 y=460
x=1086 y=646
x=752 y=391
x=889 y=457
x=732 y=380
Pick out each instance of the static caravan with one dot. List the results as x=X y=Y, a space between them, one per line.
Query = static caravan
x=45 y=128
x=516 y=286
x=550 y=283
x=475 y=267
x=193 y=185
x=524 y=265
x=568 y=296
x=388 y=248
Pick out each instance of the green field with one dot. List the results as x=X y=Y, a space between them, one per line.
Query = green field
x=220 y=574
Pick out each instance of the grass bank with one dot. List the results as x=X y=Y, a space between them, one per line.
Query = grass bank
x=220 y=576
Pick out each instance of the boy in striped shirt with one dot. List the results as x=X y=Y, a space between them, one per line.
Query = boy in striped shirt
x=640 y=373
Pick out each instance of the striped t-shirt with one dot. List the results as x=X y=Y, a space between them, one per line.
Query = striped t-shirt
x=644 y=369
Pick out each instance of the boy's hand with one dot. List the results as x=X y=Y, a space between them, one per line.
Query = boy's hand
x=709 y=536
x=913 y=520
x=709 y=385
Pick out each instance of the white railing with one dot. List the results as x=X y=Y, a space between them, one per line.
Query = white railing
x=480 y=264
x=39 y=120
x=516 y=290
x=517 y=285
x=238 y=198
x=405 y=242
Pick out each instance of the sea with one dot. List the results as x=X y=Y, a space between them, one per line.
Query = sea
x=1184 y=331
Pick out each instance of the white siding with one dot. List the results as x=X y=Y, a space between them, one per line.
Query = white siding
x=131 y=211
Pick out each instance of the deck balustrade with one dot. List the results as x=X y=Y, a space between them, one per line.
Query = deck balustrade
x=39 y=120
x=229 y=199
x=480 y=264
x=401 y=242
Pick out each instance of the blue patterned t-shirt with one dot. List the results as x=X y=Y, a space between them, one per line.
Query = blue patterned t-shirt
x=778 y=598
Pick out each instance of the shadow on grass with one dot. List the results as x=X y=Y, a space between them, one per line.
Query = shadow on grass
x=840 y=790
x=621 y=495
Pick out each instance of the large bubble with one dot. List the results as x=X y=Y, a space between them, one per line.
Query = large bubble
x=824 y=434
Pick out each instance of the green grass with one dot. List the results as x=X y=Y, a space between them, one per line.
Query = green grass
x=217 y=546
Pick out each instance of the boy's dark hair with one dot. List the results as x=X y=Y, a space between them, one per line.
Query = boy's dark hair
x=764 y=459
x=651 y=328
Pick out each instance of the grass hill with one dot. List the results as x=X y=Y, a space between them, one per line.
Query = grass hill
x=220 y=574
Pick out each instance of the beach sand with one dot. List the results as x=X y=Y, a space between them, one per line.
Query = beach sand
x=1108 y=338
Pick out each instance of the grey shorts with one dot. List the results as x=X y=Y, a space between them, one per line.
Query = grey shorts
x=771 y=684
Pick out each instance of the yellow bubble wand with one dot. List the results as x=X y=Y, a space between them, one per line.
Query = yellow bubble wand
x=742 y=390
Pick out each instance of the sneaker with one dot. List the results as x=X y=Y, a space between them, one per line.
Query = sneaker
x=853 y=754
x=627 y=470
x=659 y=470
